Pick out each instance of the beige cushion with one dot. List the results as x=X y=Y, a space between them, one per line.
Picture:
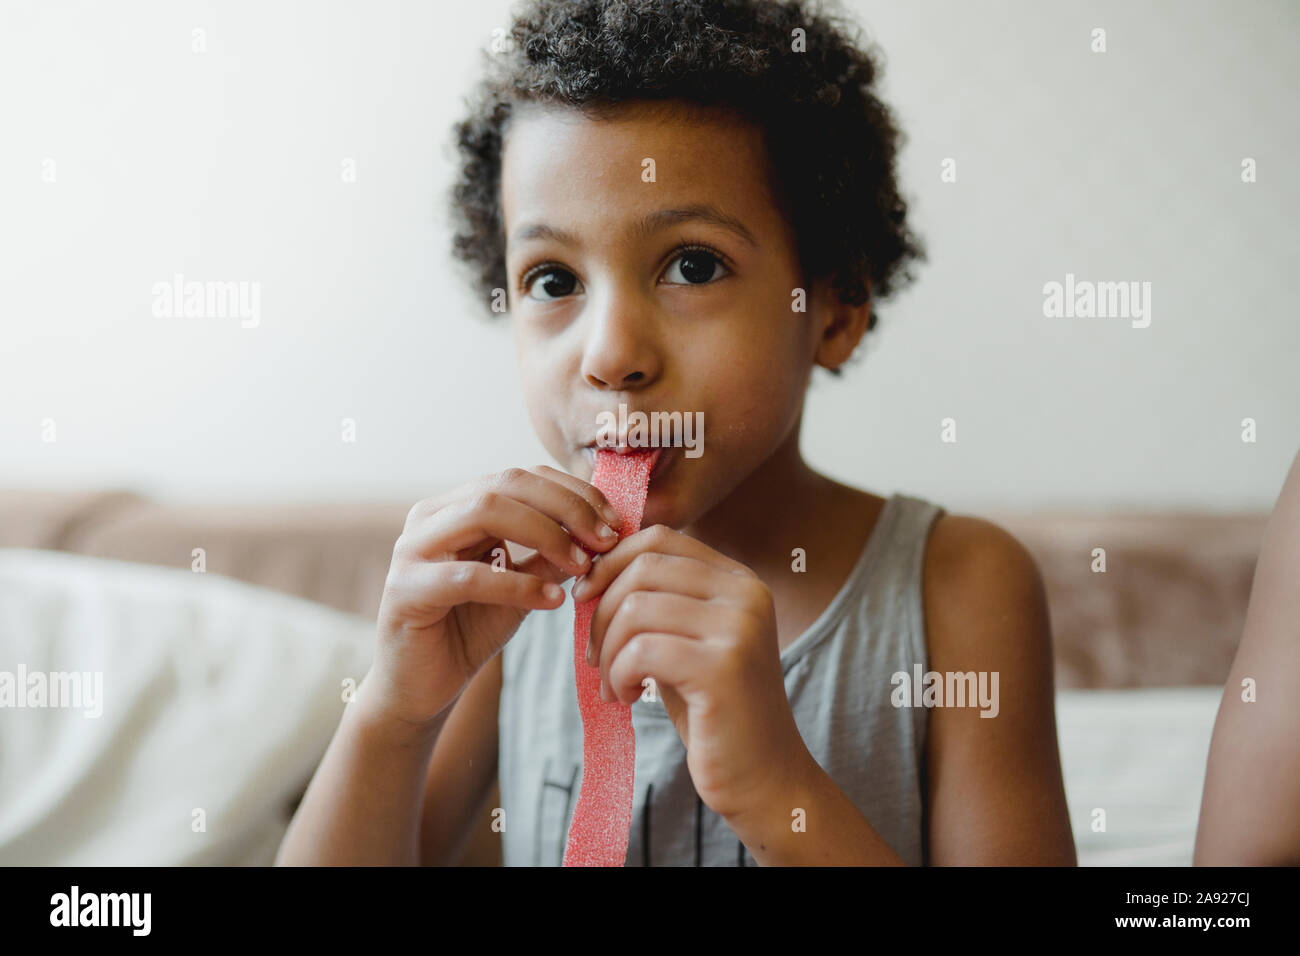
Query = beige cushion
x=1170 y=607
x=1168 y=611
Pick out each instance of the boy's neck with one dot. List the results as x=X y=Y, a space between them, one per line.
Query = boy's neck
x=782 y=505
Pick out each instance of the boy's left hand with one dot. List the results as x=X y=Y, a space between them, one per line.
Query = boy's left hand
x=704 y=627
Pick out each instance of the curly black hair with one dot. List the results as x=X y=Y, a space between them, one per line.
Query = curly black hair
x=831 y=143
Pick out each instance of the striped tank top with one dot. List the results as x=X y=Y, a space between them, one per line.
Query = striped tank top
x=838 y=680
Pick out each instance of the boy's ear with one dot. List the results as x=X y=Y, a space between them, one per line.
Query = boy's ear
x=842 y=326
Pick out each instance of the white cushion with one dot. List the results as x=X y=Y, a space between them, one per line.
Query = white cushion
x=1139 y=755
x=217 y=696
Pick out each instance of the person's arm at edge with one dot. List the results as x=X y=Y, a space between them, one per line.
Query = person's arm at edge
x=1250 y=806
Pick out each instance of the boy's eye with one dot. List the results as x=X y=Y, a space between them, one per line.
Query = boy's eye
x=547 y=280
x=697 y=266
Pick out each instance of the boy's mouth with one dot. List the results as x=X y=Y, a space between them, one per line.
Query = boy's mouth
x=661 y=457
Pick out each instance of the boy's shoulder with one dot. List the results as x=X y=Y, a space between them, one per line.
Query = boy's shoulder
x=974 y=548
x=982 y=587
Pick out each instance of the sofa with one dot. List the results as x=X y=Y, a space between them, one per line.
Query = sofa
x=1141 y=648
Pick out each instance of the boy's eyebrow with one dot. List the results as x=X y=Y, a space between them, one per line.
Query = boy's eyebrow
x=648 y=225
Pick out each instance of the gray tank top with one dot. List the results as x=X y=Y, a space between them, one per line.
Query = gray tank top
x=837 y=677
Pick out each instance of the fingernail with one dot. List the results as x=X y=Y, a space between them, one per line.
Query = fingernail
x=580 y=588
x=588 y=652
x=611 y=515
x=552 y=591
x=579 y=556
x=604 y=692
x=605 y=531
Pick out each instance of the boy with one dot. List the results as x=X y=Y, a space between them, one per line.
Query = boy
x=687 y=210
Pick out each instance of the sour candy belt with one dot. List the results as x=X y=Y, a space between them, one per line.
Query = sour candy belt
x=598 y=833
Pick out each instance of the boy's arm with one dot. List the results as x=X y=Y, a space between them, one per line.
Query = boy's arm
x=463 y=767
x=363 y=805
x=385 y=794
x=994 y=793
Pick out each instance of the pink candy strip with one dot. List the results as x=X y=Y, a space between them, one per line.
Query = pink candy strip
x=602 y=819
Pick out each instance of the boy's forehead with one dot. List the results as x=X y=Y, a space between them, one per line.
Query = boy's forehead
x=560 y=165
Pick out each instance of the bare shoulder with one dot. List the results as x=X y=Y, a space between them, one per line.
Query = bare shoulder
x=976 y=571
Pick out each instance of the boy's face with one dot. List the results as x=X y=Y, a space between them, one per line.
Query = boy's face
x=620 y=315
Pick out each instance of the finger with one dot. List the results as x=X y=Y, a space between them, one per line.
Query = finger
x=643 y=611
x=538 y=565
x=653 y=571
x=673 y=661
x=428 y=506
x=535 y=564
x=658 y=538
x=461 y=530
x=559 y=501
x=590 y=493
x=445 y=584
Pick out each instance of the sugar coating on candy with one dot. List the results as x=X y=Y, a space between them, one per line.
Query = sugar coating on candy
x=602 y=818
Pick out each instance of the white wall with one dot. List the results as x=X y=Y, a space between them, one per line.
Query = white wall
x=225 y=165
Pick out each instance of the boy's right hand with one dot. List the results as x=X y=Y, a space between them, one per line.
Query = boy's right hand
x=446 y=611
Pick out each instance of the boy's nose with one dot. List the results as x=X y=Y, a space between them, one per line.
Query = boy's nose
x=626 y=382
x=620 y=352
